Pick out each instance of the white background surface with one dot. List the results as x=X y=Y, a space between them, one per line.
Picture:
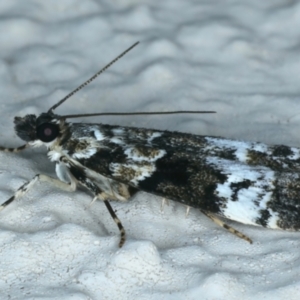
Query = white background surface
x=239 y=58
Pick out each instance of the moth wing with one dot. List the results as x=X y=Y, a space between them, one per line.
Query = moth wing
x=248 y=182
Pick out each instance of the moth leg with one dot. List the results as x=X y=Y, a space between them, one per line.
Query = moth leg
x=70 y=187
x=93 y=201
x=187 y=211
x=80 y=174
x=163 y=202
x=14 y=150
x=118 y=222
x=99 y=194
x=111 y=211
x=227 y=227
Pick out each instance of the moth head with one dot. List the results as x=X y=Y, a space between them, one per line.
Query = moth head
x=30 y=128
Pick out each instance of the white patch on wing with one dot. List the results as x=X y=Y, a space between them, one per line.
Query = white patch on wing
x=244 y=204
x=227 y=144
x=240 y=148
x=85 y=153
x=98 y=134
x=117 y=140
x=273 y=220
x=295 y=155
x=241 y=154
x=153 y=136
x=247 y=212
x=259 y=147
x=131 y=172
x=134 y=154
x=118 y=131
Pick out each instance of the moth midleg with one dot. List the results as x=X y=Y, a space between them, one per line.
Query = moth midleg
x=163 y=202
x=118 y=222
x=187 y=211
x=218 y=221
x=70 y=187
x=103 y=196
x=79 y=174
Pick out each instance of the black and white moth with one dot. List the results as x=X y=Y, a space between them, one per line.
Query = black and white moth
x=248 y=182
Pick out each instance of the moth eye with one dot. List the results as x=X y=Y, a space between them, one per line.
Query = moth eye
x=47 y=132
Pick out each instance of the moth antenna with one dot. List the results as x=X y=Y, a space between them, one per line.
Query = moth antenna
x=138 y=113
x=91 y=79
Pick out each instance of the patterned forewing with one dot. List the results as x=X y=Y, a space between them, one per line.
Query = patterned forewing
x=247 y=182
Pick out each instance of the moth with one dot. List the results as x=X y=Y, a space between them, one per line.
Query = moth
x=247 y=182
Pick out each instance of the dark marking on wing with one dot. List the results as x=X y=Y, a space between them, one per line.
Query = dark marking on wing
x=102 y=159
x=282 y=150
x=237 y=186
x=264 y=218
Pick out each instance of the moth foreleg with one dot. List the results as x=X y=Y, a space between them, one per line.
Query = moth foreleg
x=218 y=221
x=14 y=150
x=70 y=187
